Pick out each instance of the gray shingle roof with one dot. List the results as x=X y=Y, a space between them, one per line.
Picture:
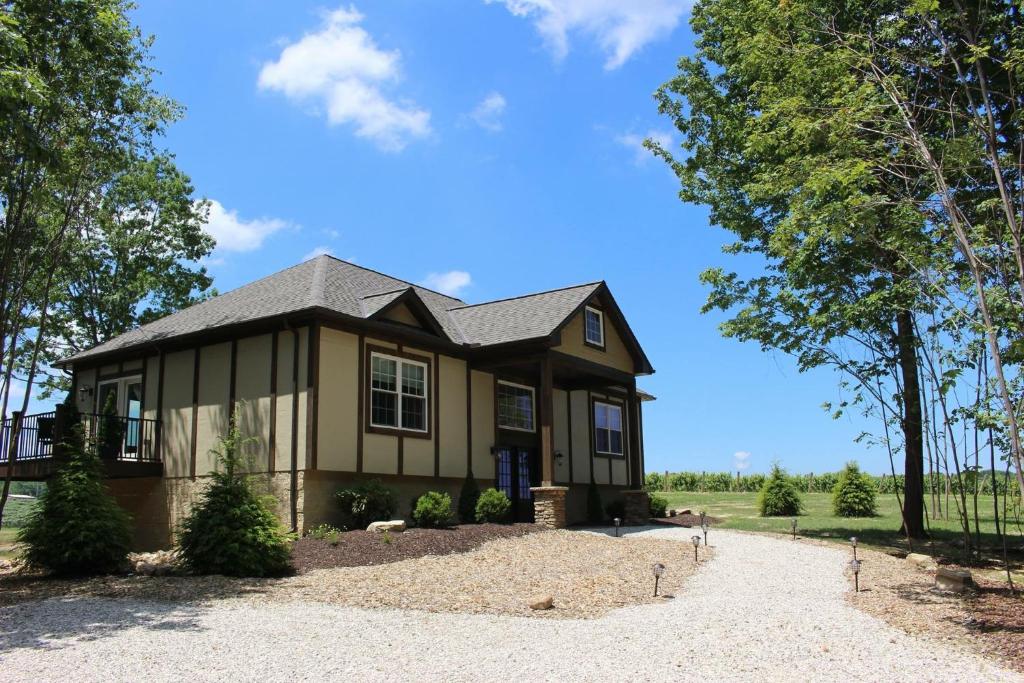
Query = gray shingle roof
x=342 y=287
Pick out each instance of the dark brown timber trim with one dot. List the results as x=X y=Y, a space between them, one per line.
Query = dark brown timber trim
x=568 y=422
x=294 y=465
x=195 y=413
x=469 y=419
x=233 y=381
x=547 y=432
x=361 y=381
x=160 y=409
x=312 y=399
x=590 y=435
x=272 y=446
x=635 y=478
x=437 y=415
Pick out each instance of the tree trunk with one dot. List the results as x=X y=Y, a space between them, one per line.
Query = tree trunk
x=913 y=440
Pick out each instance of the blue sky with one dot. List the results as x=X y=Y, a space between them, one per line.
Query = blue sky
x=491 y=149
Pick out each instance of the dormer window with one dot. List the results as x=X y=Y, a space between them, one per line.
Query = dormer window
x=593 y=327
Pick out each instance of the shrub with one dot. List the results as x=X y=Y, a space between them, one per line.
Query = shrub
x=368 y=502
x=468 y=497
x=110 y=433
x=779 y=495
x=595 y=513
x=324 y=532
x=616 y=508
x=654 y=481
x=493 y=506
x=76 y=527
x=658 y=505
x=232 y=530
x=854 y=494
x=433 y=509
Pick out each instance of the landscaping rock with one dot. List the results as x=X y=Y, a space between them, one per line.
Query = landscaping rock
x=159 y=563
x=921 y=561
x=953 y=580
x=682 y=511
x=394 y=526
x=542 y=602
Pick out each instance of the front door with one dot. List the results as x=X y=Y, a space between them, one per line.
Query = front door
x=515 y=477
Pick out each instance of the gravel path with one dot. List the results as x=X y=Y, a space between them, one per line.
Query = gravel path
x=763 y=609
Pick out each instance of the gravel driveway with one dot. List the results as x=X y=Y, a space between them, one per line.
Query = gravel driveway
x=763 y=609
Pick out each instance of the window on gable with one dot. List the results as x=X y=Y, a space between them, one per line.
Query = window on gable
x=607 y=428
x=398 y=393
x=593 y=326
x=515 y=406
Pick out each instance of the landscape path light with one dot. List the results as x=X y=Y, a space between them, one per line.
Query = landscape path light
x=704 y=526
x=617 y=522
x=855 y=566
x=658 y=569
x=794 y=528
x=853 y=542
x=696 y=544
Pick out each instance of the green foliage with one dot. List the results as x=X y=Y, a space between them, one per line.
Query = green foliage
x=364 y=503
x=325 y=532
x=76 y=527
x=433 y=510
x=779 y=496
x=468 y=497
x=110 y=435
x=493 y=506
x=595 y=512
x=854 y=494
x=233 y=531
x=654 y=481
x=658 y=505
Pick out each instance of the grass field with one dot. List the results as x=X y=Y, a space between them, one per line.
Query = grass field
x=15 y=512
x=739 y=511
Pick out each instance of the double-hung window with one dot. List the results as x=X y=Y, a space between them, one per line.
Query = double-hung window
x=607 y=428
x=515 y=406
x=398 y=393
x=593 y=332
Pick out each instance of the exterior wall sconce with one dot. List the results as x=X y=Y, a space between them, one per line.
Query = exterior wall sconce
x=559 y=455
x=85 y=392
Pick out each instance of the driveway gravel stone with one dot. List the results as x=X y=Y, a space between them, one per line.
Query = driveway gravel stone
x=764 y=608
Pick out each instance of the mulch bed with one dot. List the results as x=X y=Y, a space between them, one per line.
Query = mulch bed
x=364 y=548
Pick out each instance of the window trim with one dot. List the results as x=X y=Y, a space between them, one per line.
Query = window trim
x=600 y=316
x=533 y=407
x=399 y=357
x=594 y=402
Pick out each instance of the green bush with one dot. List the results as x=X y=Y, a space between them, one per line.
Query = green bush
x=654 y=481
x=854 y=494
x=493 y=506
x=110 y=433
x=364 y=503
x=595 y=512
x=779 y=496
x=658 y=505
x=468 y=497
x=76 y=527
x=232 y=531
x=616 y=508
x=433 y=510
x=325 y=532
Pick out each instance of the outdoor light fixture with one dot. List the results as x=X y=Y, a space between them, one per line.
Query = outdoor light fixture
x=84 y=392
x=616 y=522
x=703 y=516
x=704 y=526
x=696 y=544
x=853 y=541
x=658 y=569
x=794 y=528
x=855 y=566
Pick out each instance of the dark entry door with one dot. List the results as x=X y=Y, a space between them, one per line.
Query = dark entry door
x=515 y=477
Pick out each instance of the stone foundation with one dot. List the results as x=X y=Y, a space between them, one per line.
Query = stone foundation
x=638 y=507
x=549 y=506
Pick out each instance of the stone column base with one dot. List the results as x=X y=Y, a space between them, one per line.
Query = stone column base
x=549 y=506
x=638 y=507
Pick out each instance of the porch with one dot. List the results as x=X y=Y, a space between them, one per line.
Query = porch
x=128 y=446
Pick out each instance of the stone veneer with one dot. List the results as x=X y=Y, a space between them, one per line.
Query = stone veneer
x=549 y=506
x=638 y=507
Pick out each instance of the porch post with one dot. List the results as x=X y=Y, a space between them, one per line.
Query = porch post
x=636 y=471
x=547 y=433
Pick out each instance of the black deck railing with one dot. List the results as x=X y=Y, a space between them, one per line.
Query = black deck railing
x=117 y=438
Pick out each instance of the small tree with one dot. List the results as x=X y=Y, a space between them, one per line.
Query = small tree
x=779 y=496
x=468 y=498
x=76 y=527
x=232 y=531
x=854 y=494
x=110 y=433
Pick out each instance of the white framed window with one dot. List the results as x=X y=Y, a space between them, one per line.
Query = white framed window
x=607 y=428
x=516 y=403
x=593 y=326
x=398 y=393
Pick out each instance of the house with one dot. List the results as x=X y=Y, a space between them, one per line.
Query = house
x=341 y=374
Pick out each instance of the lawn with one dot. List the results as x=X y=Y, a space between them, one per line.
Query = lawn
x=15 y=513
x=739 y=511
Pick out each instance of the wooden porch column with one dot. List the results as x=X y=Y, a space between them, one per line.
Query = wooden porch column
x=547 y=432
x=636 y=471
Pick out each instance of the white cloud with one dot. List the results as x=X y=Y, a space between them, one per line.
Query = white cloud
x=621 y=27
x=635 y=142
x=341 y=69
x=741 y=460
x=450 y=283
x=235 y=234
x=488 y=113
x=318 y=251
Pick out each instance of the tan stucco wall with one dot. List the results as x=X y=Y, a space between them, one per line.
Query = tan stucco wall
x=252 y=398
x=483 y=424
x=134 y=364
x=580 y=438
x=176 y=416
x=453 y=417
x=152 y=381
x=283 y=428
x=402 y=314
x=86 y=378
x=338 y=401
x=418 y=454
x=214 y=394
x=614 y=354
x=560 y=410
